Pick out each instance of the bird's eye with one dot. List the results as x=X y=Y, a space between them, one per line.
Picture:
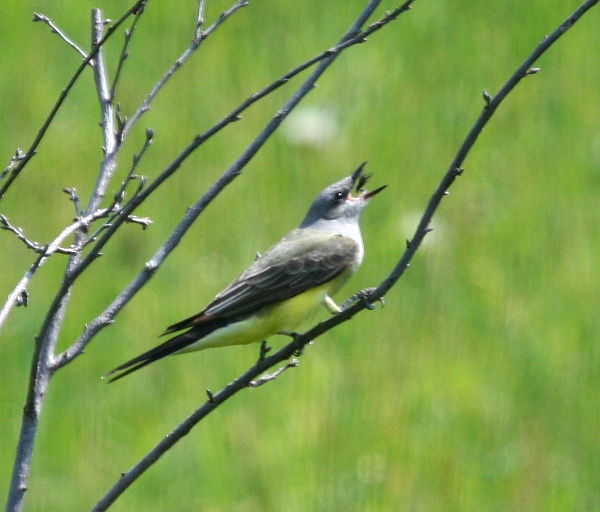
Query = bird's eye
x=339 y=196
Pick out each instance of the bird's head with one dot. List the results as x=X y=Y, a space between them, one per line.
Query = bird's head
x=336 y=202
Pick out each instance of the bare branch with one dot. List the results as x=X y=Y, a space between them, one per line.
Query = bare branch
x=59 y=32
x=75 y=199
x=200 y=19
x=43 y=357
x=48 y=250
x=37 y=390
x=34 y=246
x=18 y=232
x=293 y=363
x=109 y=162
x=142 y=221
x=125 y=52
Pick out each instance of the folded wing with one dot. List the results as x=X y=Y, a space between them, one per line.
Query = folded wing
x=298 y=263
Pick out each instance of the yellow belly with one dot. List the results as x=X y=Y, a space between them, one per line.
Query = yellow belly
x=284 y=316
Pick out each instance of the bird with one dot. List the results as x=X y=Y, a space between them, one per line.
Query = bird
x=285 y=286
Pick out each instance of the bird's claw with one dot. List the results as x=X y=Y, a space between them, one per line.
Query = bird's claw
x=294 y=336
x=363 y=296
x=264 y=350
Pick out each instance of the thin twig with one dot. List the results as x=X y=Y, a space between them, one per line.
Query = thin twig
x=136 y=161
x=125 y=52
x=116 y=206
x=142 y=221
x=49 y=249
x=34 y=246
x=268 y=377
x=54 y=28
x=455 y=169
x=74 y=199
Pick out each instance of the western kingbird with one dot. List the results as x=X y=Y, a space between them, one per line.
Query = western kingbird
x=285 y=286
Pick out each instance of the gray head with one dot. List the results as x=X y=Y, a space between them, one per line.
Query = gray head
x=336 y=206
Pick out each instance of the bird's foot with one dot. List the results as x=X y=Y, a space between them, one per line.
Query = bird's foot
x=264 y=350
x=294 y=336
x=363 y=296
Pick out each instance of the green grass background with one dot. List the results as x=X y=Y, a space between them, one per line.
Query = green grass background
x=477 y=387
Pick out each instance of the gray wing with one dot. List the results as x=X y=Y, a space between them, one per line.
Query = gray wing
x=298 y=263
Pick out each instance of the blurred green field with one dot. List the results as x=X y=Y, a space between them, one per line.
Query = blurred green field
x=477 y=387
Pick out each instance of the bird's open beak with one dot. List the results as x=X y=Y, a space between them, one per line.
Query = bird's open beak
x=358 y=176
x=365 y=196
x=360 y=180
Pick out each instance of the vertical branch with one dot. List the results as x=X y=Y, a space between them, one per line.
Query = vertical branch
x=38 y=387
x=108 y=164
x=200 y=19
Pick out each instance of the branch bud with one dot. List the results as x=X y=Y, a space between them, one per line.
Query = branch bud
x=487 y=98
